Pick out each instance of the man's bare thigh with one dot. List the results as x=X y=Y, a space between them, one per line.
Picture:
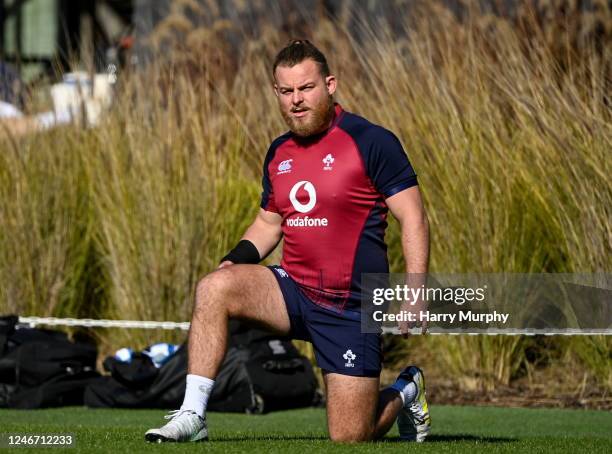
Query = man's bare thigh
x=351 y=406
x=250 y=292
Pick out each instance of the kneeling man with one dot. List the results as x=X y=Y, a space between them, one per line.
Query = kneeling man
x=328 y=184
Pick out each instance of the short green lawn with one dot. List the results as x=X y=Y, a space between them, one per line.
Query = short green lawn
x=455 y=429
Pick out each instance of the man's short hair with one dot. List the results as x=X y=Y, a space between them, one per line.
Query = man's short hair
x=296 y=52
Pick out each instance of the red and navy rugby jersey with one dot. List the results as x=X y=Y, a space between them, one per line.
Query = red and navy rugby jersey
x=330 y=190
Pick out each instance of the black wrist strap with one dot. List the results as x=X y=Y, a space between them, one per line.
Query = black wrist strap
x=244 y=252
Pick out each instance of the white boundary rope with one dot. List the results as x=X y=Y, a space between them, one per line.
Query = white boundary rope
x=140 y=324
x=92 y=323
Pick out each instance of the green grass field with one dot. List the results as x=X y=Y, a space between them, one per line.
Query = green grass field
x=456 y=429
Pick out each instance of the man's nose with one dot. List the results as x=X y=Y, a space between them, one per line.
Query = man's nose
x=296 y=97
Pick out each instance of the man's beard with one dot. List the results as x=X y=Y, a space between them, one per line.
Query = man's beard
x=320 y=116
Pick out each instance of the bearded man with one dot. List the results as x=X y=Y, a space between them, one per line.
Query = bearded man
x=328 y=184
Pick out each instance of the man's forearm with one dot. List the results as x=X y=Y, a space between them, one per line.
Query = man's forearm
x=258 y=241
x=415 y=244
x=265 y=237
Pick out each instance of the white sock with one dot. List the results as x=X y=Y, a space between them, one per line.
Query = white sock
x=197 y=393
x=407 y=390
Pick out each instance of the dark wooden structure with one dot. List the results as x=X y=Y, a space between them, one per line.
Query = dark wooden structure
x=73 y=21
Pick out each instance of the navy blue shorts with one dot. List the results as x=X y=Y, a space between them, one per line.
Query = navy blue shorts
x=338 y=342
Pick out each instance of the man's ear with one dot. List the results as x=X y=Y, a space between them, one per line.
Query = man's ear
x=331 y=83
x=275 y=90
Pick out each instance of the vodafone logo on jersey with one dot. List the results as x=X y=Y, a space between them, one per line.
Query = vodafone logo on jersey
x=312 y=194
x=300 y=207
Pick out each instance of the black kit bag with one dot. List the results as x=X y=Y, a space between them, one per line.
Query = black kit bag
x=139 y=384
x=139 y=373
x=42 y=368
x=260 y=373
x=7 y=369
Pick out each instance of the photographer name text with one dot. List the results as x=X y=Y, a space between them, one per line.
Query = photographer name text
x=427 y=316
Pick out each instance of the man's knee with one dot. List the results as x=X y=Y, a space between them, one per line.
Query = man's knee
x=215 y=289
x=351 y=434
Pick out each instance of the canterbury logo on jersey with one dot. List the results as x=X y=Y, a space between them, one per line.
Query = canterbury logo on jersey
x=284 y=167
x=300 y=207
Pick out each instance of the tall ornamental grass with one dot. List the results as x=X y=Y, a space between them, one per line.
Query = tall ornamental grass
x=171 y=194
x=512 y=146
x=46 y=227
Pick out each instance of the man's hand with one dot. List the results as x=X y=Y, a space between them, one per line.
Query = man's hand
x=406 y=326
x=225 y=264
